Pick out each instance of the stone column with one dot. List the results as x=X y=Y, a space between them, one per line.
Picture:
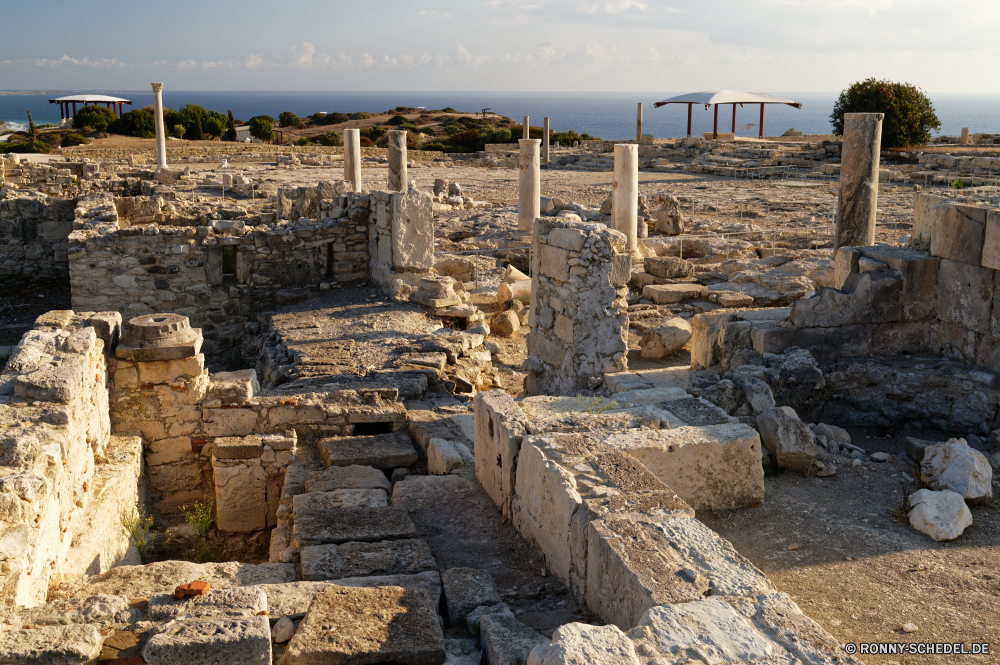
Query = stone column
x=638 y=125
x=352 y=158
x=964 y=139
x=528 y=188
x=397 y=161
x=859 y=163
x=626 y=194
x=161 y=141
x=545 y=142
x=526 y=127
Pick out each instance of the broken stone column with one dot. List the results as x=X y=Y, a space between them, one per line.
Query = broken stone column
x=964 y=139
x=529 y=186
x=859 y=164
x=526 y=128
x=580 y=318
x=626 y=193
x=397 y=161
x=352 y=158
x=545 y=142
x=638 y=125
x=161 y=142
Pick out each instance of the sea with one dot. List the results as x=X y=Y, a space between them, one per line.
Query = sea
x=601 y=114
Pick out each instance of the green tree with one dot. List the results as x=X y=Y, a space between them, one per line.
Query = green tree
x=331 y=138
x=214 y=126
x=199 y=133
x=94 y=116
x=909 y=114
x=32 y=130
x=261 y=128
x=135 y=123
x=288 y=119
x=230 y=126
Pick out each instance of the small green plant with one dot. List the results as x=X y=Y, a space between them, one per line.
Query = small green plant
x=331 y=138
x=72 y=139
x=303 y=140
x=200 y=520
x=957 y=184
x=595 y=405
x=136 y=527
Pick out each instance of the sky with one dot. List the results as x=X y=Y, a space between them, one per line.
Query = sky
x=500 y=45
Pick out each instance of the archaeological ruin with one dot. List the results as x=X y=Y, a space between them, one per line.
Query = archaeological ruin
x=628 y=403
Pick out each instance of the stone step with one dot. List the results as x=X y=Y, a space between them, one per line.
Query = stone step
x=387 y=557
x=343 y=525
x=347 y=478
x=243 y=640
x=382 y=451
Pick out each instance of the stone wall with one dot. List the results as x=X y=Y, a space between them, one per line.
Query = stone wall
x=234 y=152
x=579 y=308
x=33 y=234
x=65 y=480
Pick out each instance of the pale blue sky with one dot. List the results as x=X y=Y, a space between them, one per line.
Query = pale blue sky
x=504 y=45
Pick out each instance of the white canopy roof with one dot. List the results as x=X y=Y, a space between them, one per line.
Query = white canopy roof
x=89 y=98
x=711 y=97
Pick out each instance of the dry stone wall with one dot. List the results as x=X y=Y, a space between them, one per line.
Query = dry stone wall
x=34 y=232
x=578 y=306
x=234 y=152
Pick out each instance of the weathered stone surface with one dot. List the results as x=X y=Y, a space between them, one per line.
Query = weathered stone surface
x=320 y=501
x=235 y=602
x=465 y=589
x=667 y=338
x=942 y=515
x=51 y=645
x=669 y=267
x=505 y=323
x=382 y=451
x=211 y=641
x=347 y=477
x=234 y=387
x=499 y=430
x=866 y=298
x=715 y=467
x=101 y=608
x=341 y=525
x=475 y=617
x=237 y=447
x=436 y=292
x=581 y=643
x=283 y=631
x=507 y=641
x=756 y=391
x=790 y=439
x=665 y=294
x=241 y=496
x=294 y=598
x=334 y=562
x=965 y=295
x=958 y=234
x=442 y=457
x=413 y=231
x=357 y=625
x=154 y=337
x=857 y=201
x=957 y=467
x=991 y=241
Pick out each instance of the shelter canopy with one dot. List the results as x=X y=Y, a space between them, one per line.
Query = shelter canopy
x=112 y=103
x=734 y=97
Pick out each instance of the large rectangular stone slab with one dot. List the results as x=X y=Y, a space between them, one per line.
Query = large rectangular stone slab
x=958 y=235
x=499 y=429
x=294 y=598
x=965 y=295
x=347 y=478
x=465 y=589
x=209 y=641
x=235 y=602
x=342 y=525
x=347 y=625
x=382 y=451
x=507 y=641
x=388 y=557
x=991 y=241
x=665 y=294
x=318 y=501
x=711 y=467
x=51 y=644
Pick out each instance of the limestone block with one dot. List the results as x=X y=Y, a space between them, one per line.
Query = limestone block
x=412 y=231
x=234 y=387
x=667 y=267
x=755 y=391
x=244 y=601
x=506 y=641
x=237 y=447
x=733 y=299
x=360 y=625
x=166 y=451
x=499 y=430
x=229 y=422
x=920 y=278
x=206 y=641
x=51 y=644
x=353 y=498
x=62 y=381
x=101 y=608
x=965 y=295
x=957 y=467
x=665 y=294
x=845 y=261
x=924 y=205
x=465 y=589
x=294 y=598
x=382 y=451
x=574 y=643
x=436 y=292
x=635 y=564
x=341 y=525
x=554 y=262
x=356 y=559
x=347 y=477
x=790 y=439
x=991 y=241
x=570 y=239
x=714 y=467
x=942 y=515
x=240 y=497
x=168 y=371
x=866 y=298
x=442 y=457
x=667 y=338
x=958 y=235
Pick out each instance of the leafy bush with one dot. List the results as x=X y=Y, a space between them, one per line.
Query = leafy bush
x=261 y=128
x=331 y=138
x=448 y=109
x=303 y=140
x=38 y=147
x=196 y=133
x=366 y=142
x=200 y=519
x=94 y=116
x=288 y=119
x=45 y=125
x=179 y=130
x=567 y=138
x=373 y=133
x=360 y=115
x=136 y=527
x=909 y=114
x=467 y=139
x=73 y=139
x=397 y=120
x=135 y=123
x=442 y=147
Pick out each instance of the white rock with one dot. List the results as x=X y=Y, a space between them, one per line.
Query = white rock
x=442 y=457
x=942 y=515
x=957 y=467
x=578 y=643
x=283 y=630
x=667 y=338
x=791 y=441
x=834 y=435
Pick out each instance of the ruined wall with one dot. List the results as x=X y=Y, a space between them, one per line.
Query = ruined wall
x=33 y=234
x=64 y=479
x=234 y=152
x=580 y=312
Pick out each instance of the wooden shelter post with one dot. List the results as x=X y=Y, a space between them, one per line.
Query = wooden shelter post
x=689 y=119
x=761 y=135
x=715 y=126
x=734 y=119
